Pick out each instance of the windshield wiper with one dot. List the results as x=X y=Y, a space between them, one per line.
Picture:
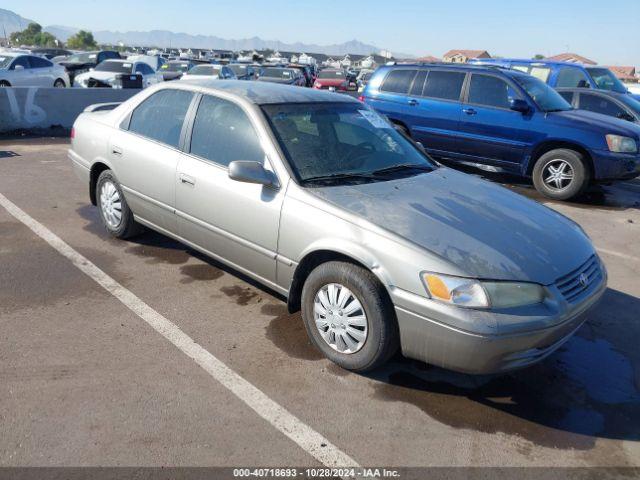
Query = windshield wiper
x=340 y=176
x=400 y=167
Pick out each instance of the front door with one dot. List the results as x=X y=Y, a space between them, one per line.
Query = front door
x=237 y=222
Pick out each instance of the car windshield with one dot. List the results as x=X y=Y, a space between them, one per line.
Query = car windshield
x=5 y=61
x=175 y=67
x=113 y=66
x=88 y=57
x=606 y=80
x=342 y=142
x=205 y=70
x=545 y=97
x=276 y=73
x=331 y=74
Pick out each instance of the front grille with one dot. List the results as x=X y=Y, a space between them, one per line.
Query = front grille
x=580 y=281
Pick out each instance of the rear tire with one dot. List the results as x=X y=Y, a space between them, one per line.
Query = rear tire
x=4 y=83
x=561 y=174
x=365 y=318
x=59 y=83
x=115 y=214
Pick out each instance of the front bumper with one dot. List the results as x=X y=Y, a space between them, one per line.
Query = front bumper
x=494 y=342
x=615 y=166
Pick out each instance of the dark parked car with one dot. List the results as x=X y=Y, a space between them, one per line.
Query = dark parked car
x=287 y=76
x=174 y=69
x=505 y=120
x=619 y=105
x=243 y=71
x=306 y=72
x=83 y=62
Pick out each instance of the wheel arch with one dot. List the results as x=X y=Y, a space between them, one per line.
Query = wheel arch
x=328 y=253
x=549 y=145
x=96 y=169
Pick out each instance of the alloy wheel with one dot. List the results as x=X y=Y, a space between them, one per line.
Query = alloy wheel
x=557 y=174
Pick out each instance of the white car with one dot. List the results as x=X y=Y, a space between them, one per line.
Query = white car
x=109 y=73
x=22 y=70
x=154 y=61
x=209 y=70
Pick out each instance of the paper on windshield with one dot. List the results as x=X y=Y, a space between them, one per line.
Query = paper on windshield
x=374 y=119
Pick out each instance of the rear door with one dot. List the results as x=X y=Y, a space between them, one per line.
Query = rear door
x=145 y=153
x=41 y=69
x=393 y=99
x=489 y=130
x=436 y=111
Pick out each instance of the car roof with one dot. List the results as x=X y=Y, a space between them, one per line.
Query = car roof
x=529 y=61
x=264 y=93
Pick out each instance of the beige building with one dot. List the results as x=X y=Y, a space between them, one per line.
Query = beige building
x=463 y=56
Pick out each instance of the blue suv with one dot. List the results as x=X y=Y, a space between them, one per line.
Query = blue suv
x=505 y=120
x=562 y=74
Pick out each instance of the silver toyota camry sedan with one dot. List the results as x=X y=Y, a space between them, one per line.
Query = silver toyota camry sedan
x=319 y=198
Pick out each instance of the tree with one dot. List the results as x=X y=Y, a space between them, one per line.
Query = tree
x=538 y=56
x=33 y=35
x=82 y=40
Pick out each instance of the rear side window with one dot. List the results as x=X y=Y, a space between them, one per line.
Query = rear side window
x=444 y=85
x=598 y=104
x=160 y=117
x=490 y=91
x=398 y=81
x=568 y=96
x=570 y=77
x=222 y=133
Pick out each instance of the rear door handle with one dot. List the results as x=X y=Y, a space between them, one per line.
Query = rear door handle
x=469 y=111
x=413 y=102
x=187 y=179
x=116 y=150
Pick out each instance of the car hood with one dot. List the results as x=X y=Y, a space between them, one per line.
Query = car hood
x=483 y=229
x=102 y=76
x=596 y=122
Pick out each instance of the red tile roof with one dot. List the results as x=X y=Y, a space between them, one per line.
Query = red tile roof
x=468 y=53
x=428 y=59
x=624 y=73
x=571 y=57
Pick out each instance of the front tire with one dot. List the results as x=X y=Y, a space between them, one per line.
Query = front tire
x=561 y=174
x=349 y=317
x=115 y=214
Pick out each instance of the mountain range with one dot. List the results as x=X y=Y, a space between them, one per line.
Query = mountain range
x=13 y=22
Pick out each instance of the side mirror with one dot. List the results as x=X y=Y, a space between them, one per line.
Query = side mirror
x=626 y=116
x=250 y=172
x=18 y=67
x=519 y=105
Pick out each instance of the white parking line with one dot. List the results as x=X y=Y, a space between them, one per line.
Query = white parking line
x=618 y=254
x=302 y=434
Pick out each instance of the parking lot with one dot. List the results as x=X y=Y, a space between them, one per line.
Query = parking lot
x=86 y=380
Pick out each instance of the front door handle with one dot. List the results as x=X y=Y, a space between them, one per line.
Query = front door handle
x=413 y=102
x=187 y=179
x=469 y=111
x=116 y=151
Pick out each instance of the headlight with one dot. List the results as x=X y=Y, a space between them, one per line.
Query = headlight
x=621 y=144
x=468 y=292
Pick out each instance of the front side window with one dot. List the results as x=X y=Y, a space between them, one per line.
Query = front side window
x=160 y=117
x=542 y=94
x=398 y=81
x=23 y=61
x=444 y=85
x=569 y=77
x=606 y=80
x=222 y=133
x=327 y=142
x=490 y=91
x=600 y=104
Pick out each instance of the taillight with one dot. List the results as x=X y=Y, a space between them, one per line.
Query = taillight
x=73 y=132
x=361 y=98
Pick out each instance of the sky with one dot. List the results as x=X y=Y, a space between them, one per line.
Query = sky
x=608 y=32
